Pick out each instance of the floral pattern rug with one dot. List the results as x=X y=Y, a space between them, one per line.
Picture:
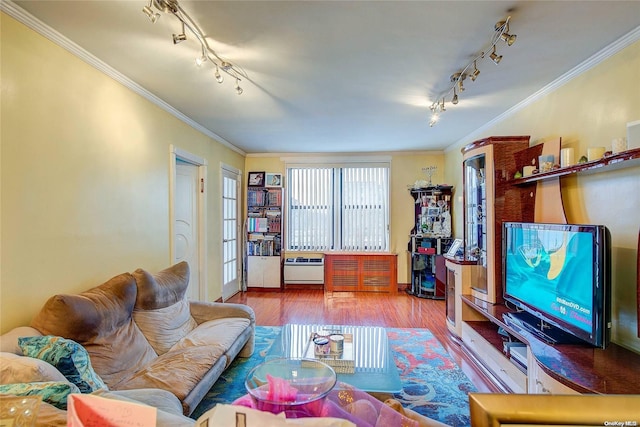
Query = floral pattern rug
x=433 y=384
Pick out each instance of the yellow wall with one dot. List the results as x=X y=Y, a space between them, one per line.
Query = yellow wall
x=85 y=171
x=589 y=111
x=406 y=169
x=85 y=177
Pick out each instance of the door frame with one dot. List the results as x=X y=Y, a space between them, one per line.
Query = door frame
x=176 y=153
x=239 y=221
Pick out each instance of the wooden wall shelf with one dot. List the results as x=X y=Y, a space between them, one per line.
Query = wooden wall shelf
x=625 y=159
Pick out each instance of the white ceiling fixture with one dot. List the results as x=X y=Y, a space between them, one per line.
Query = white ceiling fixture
x=501 y=33
x=207 y=54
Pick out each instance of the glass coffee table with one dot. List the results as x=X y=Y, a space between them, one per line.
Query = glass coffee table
x=375 y=369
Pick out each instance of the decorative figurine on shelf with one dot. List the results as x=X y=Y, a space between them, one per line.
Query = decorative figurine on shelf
x=446 y=222
x=429 y=171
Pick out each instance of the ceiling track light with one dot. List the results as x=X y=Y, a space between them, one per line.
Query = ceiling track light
x=503 y=27
x=202 y=58
x=153 y=16
x=218 y=76
x=172 y=7
x=501 y=33
x=475 y=73
x=178 y=38
x=495 y=57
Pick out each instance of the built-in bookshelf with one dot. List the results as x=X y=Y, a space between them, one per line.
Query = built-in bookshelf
x=263 y=236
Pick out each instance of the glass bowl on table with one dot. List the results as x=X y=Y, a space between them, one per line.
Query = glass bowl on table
x=297 y=387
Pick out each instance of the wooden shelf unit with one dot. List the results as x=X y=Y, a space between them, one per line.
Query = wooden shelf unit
x=263 y=237
x=559 y=368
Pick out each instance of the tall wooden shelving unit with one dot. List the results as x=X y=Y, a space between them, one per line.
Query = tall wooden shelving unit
x=429 y=238
x=489 y=200
x=264 y=237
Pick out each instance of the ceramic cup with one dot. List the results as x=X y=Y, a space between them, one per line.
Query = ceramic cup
x=336 y=343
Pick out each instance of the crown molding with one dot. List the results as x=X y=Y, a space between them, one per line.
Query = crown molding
x=623 y=42
x=24 y=17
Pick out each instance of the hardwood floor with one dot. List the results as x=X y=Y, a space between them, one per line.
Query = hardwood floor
x=360 y=308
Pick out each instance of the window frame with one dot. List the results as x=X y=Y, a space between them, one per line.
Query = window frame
x=337 y=240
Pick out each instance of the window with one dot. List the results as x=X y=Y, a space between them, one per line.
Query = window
x=338 y=207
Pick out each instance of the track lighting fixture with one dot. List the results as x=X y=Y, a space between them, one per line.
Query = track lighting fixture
x=177 y=38
x=172 y=7
x=475 y=73
x=495 y=57
x=218 y=76
x=202 y=58
x=153 y=16
x=501 y=32
x=509 y=39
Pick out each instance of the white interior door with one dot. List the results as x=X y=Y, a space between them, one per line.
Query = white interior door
x=186 y=223
x=231 y=265
x=188 y=217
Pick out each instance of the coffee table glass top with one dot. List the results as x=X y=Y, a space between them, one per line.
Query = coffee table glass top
x=375 y=368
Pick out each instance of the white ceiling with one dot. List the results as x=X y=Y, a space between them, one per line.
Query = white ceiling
x=343 y=76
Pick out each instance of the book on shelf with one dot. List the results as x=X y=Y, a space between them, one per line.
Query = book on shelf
x=257 y=224
x=264 y=197
x=254 y=237
x=343 y=362
x=267 y=246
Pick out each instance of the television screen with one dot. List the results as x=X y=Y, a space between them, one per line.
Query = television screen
x=559 y=273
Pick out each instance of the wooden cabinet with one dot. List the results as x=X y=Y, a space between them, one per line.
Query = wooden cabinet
x=489 y=200
x=263 y=272
x=540 y=382
x=495 y=363
x=458 y=283
x=375 y=272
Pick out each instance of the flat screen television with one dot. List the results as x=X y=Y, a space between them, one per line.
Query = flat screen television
x=558 y=277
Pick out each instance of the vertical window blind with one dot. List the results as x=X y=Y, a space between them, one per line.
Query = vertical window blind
x=338 y=208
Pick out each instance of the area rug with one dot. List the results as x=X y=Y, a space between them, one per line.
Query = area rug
x=433 y=384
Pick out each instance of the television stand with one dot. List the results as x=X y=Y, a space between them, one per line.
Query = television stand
x=555 y=369
x=539 y=328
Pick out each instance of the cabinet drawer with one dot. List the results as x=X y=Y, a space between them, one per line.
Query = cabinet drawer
x=494 y=360
x=542 y=383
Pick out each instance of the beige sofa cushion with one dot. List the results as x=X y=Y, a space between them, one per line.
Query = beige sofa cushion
x=161 y=289
x=23 y=369
x=178 y=371
x=9 y=341
x=100 y=319
x=162 y=310
x=220 y=333
x=165 y=326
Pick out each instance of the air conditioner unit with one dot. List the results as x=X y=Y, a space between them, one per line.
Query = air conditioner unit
x=304 y=271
